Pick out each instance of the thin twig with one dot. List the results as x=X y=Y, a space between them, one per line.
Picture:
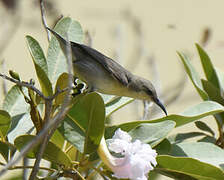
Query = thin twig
x=24 y=84
x=32 y=87
x=4 y=86
x=42 y=9
x=28 y=167
x=25 y=172
x=38 y=158
x=48 y=109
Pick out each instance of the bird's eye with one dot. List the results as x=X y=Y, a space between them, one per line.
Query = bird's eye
x=148 y=91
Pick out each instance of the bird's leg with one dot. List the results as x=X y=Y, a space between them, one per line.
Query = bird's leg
x=78 y=87
x=75 y=81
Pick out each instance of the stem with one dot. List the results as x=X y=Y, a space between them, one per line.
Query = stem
x=28 y=167
x=43 y=18
x=4 y=85
x=105 y=155
x=25 y=172
x=24 y=84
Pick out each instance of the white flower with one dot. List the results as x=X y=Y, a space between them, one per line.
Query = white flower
x=137 y=159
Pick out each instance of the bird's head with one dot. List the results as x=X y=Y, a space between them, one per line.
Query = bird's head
x=148 y=92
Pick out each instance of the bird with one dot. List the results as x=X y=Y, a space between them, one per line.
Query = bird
x=104 y=75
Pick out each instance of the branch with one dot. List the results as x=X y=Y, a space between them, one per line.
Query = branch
x=30 y=85
x=28 y=167
x=44 y=22
x=4 y=85
x=25 y=171
x=48 y=109
x=24 y=84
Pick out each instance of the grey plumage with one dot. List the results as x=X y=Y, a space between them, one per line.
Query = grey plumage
x=105 y=75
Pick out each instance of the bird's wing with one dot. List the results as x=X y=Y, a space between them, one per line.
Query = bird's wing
x=115 y=69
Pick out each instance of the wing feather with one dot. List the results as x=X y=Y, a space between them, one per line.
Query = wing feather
x=111 y=66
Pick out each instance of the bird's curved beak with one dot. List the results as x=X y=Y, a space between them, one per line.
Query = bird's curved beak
x=158 y=102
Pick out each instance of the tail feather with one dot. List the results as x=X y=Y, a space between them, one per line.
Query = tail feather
x=62 y=41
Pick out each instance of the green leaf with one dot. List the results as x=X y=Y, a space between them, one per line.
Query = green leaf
x=208 y=67
x=215 y=95
x=220 y=76
x=73 y=133
x=52 y=152
x=5 y=148
x=62 y=83
x=205 y=152
x=208 y=139
x=16 y=176
x=14 y=102
x=88 y=114
x=40 y=65
x=152 y=133
x=163 y=147
x=204 y=127
x=21 y=124
x=58 y=139
x=212 y=91
x=180 y=137
x=194 y=113
x=14 y=75
x=181 y=167
x=56 y=60
x=107 y=98
x=117 y=103
x=5 y=121
x=193 y=75
x=18 y=109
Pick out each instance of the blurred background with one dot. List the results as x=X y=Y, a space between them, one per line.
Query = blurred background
x=143 y=36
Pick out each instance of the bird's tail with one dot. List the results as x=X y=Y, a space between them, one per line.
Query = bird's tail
x=62 y=41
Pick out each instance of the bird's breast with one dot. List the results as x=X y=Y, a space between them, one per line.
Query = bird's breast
x=94 y=75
